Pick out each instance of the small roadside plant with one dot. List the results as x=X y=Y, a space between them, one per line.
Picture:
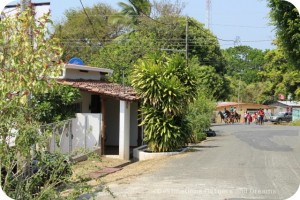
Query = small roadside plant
x=199 y=114
x=166 y=86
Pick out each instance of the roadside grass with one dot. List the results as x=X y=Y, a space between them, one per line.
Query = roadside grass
x=292 y=123
x=295 y=123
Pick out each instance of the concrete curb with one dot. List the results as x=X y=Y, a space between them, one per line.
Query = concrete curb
x=139 y=154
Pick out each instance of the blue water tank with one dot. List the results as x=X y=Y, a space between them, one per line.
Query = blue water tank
x=76 y=61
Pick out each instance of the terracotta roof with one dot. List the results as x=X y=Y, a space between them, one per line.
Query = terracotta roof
x=224 y=104
x=113 y=90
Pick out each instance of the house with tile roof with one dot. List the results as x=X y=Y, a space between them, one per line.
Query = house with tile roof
x=113 y=105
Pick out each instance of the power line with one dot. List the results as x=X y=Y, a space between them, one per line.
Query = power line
x=209 y=3
x=180 y=40
x=90 y=21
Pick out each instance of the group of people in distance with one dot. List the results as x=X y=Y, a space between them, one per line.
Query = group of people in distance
x=257 y=117
x=230 y=116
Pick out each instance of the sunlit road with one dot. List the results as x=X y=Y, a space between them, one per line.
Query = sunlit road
x=242 y=162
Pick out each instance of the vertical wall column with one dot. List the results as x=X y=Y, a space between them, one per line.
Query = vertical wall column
x=103 y=125
x=124 y=131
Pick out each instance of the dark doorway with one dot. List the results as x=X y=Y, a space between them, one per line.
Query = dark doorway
x=95 y=104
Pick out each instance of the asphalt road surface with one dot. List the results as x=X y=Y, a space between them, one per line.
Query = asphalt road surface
x=241 y=162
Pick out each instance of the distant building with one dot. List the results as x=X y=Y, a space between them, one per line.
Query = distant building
x=285 y=106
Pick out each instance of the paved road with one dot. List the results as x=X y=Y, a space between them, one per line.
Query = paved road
x=242 y=162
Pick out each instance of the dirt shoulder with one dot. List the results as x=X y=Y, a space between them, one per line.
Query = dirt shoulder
x=129 y=170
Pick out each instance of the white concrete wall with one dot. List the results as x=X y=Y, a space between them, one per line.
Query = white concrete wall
x=112 y=122
x=77 y=74
x=133 y=123
x=85 y=129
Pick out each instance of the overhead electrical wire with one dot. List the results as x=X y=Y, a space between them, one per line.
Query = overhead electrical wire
x=191 y=42
x=90 y=21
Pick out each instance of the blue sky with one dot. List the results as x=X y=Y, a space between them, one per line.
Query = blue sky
x=230 y=19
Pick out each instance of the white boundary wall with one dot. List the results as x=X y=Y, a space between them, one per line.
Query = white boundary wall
x=82 y=132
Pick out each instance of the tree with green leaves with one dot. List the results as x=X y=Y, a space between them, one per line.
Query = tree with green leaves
x=166 y=87
x=29 y=57
x=135 y=9
x=285 y=17
x=210 y=82
x=244 y=62
x=279 y=76
x=157 y=36
x=84 y=31
x=122 y=53
x=55 y=105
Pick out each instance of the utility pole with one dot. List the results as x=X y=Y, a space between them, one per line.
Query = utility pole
x=237 y=41
x=239 y=93
x=186 y=43
x=25 y=4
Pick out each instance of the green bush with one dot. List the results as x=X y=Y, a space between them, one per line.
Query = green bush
x=199 y=136
x=55 y=105
x=199 y=115
x=166 y=86
x=27 y=170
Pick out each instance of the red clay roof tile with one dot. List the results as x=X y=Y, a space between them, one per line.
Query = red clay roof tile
x=103 y=88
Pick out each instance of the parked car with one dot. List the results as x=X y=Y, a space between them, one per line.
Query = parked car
x=281 y=117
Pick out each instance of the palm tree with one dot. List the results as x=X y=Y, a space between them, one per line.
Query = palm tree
x=135 y=9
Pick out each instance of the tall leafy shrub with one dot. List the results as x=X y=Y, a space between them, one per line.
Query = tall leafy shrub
x=166 y=86
x=29 y=56
x=199 y=115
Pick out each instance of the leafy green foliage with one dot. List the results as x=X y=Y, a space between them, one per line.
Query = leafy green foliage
x=135 y=9
x=166 y=86
x=244 y=62
x=286 y=19
x=210 y=82
x=121 y=54
x=24 y=174
x=200 y=114
x=29 y=56
x=56 y=105
x=28 y=60
x=82 y=35
x=280 y=77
